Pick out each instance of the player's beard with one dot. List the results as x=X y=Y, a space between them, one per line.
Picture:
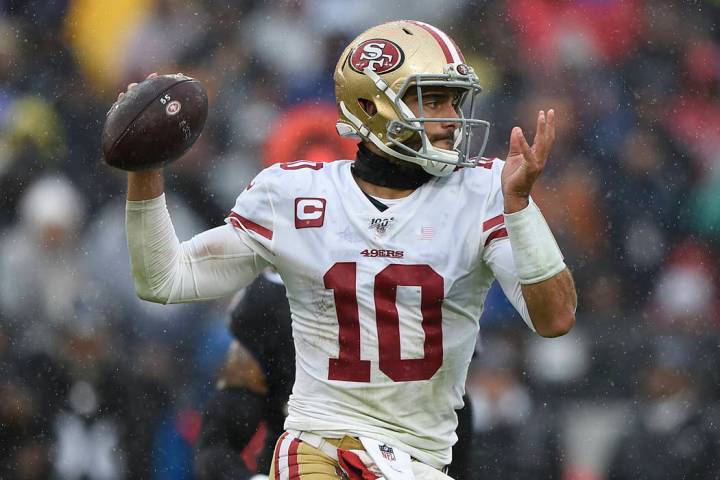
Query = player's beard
x=444 y=141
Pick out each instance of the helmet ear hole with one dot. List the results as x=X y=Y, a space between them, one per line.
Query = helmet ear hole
x=367 y=106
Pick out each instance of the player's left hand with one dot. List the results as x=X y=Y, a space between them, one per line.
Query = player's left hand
x=524 y=163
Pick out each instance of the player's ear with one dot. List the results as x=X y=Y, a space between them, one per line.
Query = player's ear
x=368 y=106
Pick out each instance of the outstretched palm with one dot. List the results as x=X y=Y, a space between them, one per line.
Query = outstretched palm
x=524 y=163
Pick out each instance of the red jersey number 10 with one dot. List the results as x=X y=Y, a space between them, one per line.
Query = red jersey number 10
x=342 y=280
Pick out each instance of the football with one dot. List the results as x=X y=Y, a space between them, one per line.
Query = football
x=154 y=123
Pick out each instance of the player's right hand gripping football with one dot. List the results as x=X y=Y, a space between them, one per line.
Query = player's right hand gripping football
x=133 y=85
x=524 y=163
x=154 y=122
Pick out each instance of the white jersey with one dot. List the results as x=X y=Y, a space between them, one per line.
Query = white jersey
x=385 y=305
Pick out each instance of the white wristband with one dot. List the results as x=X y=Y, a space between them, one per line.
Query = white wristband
x=535 y=251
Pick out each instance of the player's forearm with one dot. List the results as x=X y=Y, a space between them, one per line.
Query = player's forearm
x=145 y=185
x=547 y=285
x=551 y=304
x=154 y=248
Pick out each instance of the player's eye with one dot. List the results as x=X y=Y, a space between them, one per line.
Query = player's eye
x=432 y=102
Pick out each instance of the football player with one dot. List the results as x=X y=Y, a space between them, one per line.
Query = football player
x=386 y=258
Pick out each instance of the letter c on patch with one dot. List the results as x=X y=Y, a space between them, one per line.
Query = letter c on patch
x=309 y=212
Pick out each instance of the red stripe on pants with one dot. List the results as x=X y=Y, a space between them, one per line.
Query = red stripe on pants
x=277 y=455
x=293 y=459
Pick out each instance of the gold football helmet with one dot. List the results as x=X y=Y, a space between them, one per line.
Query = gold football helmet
x=380 y=66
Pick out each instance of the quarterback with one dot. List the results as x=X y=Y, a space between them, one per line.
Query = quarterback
x=386 y=258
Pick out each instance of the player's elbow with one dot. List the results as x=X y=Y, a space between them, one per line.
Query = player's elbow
x=147 y=290
x=149 y=296
x=556 y=324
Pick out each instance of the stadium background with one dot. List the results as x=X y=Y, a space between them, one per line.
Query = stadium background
x=97 y=385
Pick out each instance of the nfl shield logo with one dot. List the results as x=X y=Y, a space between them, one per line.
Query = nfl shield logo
x=387 y=452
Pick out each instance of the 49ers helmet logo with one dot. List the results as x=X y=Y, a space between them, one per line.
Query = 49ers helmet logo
x=380 y=54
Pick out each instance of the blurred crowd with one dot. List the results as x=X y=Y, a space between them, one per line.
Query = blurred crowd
x=96 y=384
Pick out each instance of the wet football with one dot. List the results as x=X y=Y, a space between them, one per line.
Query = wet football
x=154 y=123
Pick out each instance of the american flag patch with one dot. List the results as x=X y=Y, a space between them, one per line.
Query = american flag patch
x=426 y=233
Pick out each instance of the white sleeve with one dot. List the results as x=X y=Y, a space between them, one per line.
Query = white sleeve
x=498 y=256
x=212 y=264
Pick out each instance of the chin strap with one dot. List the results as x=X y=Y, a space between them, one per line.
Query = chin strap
x=439 y=169
x=380 y=171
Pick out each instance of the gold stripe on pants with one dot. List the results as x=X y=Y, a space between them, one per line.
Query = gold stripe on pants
x=294 y=459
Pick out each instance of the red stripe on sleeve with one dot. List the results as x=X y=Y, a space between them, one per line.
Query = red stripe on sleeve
x=493 y=222
x=502 y=233
x=240 y=222
x=293 y=459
